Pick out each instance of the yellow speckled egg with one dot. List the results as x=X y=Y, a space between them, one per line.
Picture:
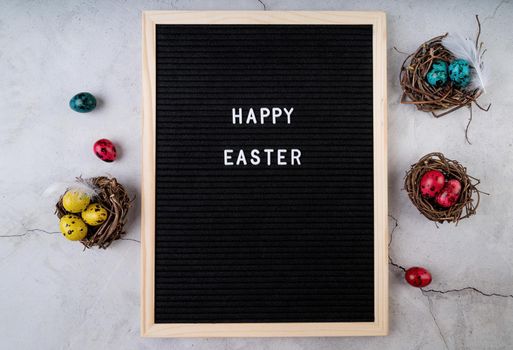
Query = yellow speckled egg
x=72 y=227
x=75 y=201
x=95 y=214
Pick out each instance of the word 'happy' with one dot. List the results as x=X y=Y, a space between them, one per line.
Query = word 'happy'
x=251 y=117
x=266 y=156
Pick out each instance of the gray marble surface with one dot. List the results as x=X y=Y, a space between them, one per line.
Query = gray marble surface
x=53 y=295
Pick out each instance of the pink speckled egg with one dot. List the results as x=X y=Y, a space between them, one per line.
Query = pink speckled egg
x=450 y=194
x=105 y=150
x=431 y=183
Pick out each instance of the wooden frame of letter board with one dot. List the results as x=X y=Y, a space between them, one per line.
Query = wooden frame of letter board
x=380 y=325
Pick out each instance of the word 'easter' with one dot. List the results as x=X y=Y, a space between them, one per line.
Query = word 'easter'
x=272 y=156
x=266 y=156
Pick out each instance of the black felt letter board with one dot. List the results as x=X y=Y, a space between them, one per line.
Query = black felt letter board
x=264 y=243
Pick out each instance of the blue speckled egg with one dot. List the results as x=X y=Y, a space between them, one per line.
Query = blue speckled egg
x=459 y=73
x=437 y=75
x=83 y=102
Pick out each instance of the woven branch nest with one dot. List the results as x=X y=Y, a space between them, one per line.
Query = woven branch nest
x=469 y=196
x=439 y=101
x=114 y=198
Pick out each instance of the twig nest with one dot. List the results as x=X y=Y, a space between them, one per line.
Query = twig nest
x=423 y=85
x=457 y=199
x=106 y=216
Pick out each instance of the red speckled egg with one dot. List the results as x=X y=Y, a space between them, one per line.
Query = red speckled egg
x=449 y=195
x=431 y=183
x=417 y=277
x=105 y=150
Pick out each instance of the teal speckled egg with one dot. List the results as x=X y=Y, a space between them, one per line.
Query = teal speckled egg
x=437 y=75
x=83 y=102
x=459 y=73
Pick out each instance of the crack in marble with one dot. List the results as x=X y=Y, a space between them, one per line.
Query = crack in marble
x=391 y=236
x=263 y=5
x=468 y=288
x=430 y=308
x=403 y=269
x=391 y=262
x=29 y=231
x=396 y=265
x=502 y=2
x=454 y=290
x=393 y=229
x=130 y=239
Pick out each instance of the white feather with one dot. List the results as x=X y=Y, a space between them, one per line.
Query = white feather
x=466 y=49
x=59 y=188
